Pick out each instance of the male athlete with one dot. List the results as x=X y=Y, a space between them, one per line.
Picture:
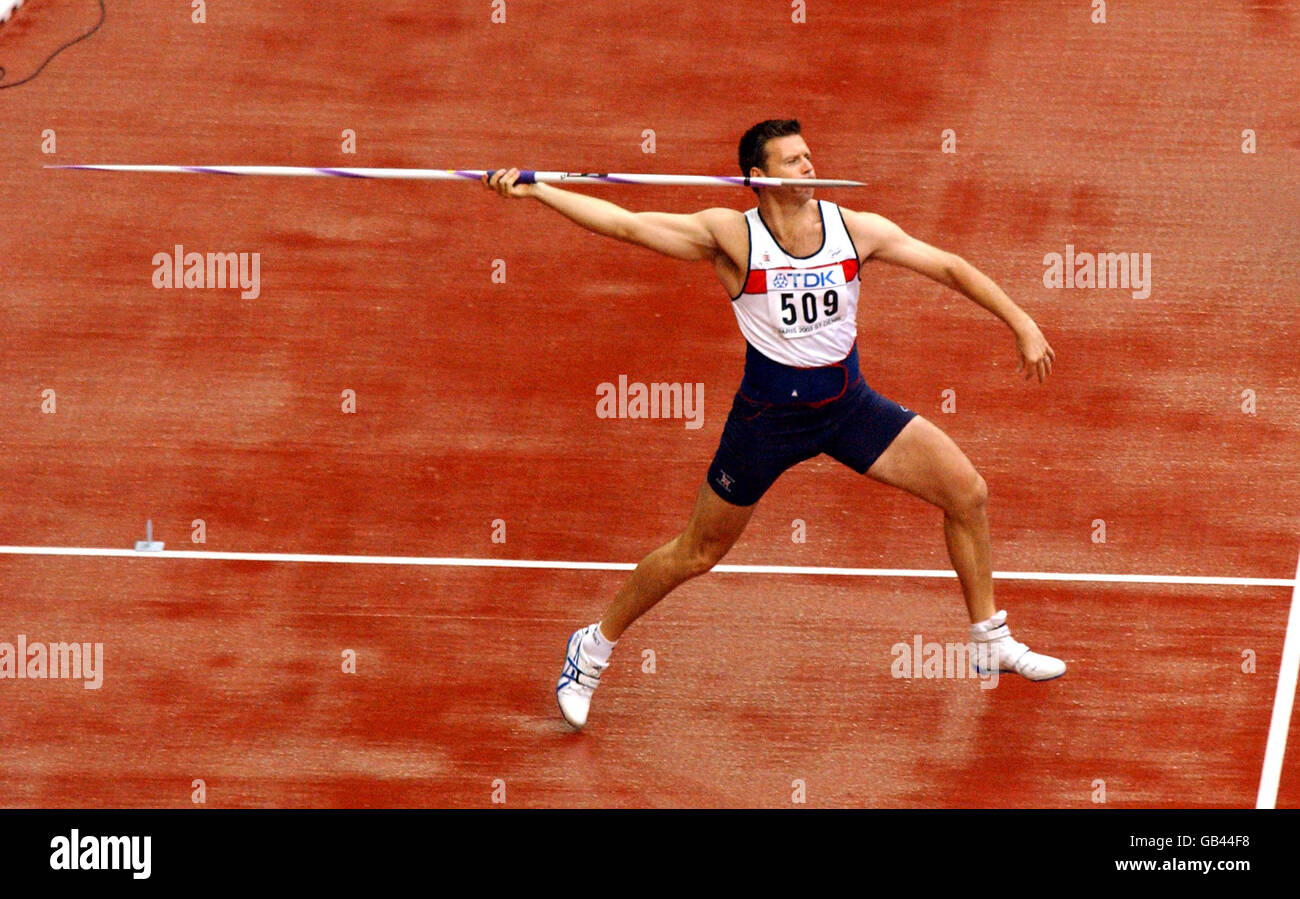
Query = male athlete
x=791 y=267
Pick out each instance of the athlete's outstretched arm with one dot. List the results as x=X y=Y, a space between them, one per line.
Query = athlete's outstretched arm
x=878 y=238
x=686 y=237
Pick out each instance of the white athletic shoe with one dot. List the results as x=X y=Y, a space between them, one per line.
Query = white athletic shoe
x=578 y=680
x=1012 y=655
x=7 y=8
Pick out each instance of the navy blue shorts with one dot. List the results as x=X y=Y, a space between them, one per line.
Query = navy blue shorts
x=764 y=437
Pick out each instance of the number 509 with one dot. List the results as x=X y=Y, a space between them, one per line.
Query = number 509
x=830 y=304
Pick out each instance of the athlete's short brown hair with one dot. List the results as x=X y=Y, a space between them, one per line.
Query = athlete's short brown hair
x=753 y=145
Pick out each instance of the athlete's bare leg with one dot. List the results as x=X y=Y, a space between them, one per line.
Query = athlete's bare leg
x=925 y=462
x=714 y=526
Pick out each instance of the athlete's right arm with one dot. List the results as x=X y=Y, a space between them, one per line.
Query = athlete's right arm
x=689 y=237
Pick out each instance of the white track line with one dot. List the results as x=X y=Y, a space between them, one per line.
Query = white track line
x=625 y=566
x=1280 y=726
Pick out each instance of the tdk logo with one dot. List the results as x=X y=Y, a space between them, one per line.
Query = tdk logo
x=804 y=280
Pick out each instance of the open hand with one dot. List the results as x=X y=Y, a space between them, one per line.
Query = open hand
x=1035 y=352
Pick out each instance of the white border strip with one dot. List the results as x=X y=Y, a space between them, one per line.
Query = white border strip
x=1283 y=700
x=625 y=566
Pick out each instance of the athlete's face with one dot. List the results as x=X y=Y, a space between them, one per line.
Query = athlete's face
x=789 y=157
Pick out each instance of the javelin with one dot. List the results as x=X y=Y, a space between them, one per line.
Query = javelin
x=526 y=176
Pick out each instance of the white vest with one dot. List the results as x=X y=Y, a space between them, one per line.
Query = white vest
x=800 y=311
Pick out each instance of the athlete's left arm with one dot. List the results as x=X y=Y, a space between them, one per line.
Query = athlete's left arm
x=876 y=237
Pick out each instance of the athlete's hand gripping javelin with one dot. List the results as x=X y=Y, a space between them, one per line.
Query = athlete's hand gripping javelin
x=503 y=182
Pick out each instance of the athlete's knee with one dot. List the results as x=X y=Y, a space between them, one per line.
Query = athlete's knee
x=701 y=554
x=968 y=495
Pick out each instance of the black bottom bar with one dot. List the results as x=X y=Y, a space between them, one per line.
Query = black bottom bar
x=541 y=849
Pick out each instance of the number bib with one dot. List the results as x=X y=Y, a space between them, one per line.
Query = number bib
x=802 y=302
